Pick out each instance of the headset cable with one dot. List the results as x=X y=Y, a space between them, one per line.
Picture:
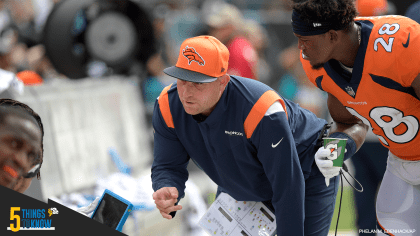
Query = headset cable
x=342 y=185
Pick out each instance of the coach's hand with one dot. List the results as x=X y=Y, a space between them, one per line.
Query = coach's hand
x=165 y=199
x=325 y=164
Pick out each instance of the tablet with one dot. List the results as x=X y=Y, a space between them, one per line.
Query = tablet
x=112 y=210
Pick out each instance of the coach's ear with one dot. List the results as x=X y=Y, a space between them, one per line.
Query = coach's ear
x=224 y=79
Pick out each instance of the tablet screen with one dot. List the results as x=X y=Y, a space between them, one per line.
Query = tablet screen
x=110 y=211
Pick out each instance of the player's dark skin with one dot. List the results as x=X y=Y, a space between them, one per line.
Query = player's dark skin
x=342 y=46
x=416 y=85
x=20 y=149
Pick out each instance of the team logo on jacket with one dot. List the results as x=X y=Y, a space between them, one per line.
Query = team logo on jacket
x=233 y=133
x=350 y=91
x=192 y=55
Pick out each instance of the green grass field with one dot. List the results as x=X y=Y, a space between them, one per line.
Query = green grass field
x=347 y=214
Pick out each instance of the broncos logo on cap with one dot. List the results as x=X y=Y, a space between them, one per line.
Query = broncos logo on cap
x=192 y=55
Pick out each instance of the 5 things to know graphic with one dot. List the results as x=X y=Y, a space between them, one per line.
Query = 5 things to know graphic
x=31 y=219
x=23 y=215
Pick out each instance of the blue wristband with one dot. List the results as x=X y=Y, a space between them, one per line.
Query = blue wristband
x=350 y=144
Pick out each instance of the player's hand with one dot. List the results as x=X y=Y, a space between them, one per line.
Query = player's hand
x=88 y=210
x=165 y=199
x=325 y=165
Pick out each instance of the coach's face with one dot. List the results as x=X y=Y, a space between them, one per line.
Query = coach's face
x=201 y=98
x=20 y=151
x=317 y=49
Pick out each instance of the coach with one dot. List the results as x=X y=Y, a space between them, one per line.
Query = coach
x=255 y=145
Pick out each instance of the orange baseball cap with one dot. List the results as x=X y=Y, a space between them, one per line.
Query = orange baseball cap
x=371 y=7
x=201 y=59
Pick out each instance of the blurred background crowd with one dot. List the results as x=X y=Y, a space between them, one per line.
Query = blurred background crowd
x=258 y=35
x=93 y=39
x=257 y=32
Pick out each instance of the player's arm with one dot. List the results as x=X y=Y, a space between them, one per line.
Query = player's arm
x=346 y=123
x=416 y=85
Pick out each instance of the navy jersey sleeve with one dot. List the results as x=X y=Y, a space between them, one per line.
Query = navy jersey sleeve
x=169 y=168
x=278 y=155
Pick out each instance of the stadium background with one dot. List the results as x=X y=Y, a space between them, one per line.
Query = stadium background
x=89 y=106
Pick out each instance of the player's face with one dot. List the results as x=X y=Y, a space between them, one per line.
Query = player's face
x=316 y=49
x=20 y=151
x=199 y=98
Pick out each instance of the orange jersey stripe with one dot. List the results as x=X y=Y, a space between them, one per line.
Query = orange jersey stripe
x=164 y=107
x=259 y=109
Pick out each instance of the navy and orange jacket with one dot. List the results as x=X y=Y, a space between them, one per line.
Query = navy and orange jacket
x=251 y=154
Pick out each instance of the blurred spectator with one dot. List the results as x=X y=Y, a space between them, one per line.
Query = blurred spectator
x=12 y=84
x=413 y=12
x=23 y=21
x=371 y=7
x=226 y=23
x=155 y=79
x=42 y=9
x=162 y=58
x=258 y=37
x=8 y=37
x=184 y=21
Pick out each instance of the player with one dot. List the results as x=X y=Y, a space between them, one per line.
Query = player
x=21 y=145
x=369 y=163
x=370 y=68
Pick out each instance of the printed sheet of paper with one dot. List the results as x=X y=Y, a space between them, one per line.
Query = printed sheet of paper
x=228 y=217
